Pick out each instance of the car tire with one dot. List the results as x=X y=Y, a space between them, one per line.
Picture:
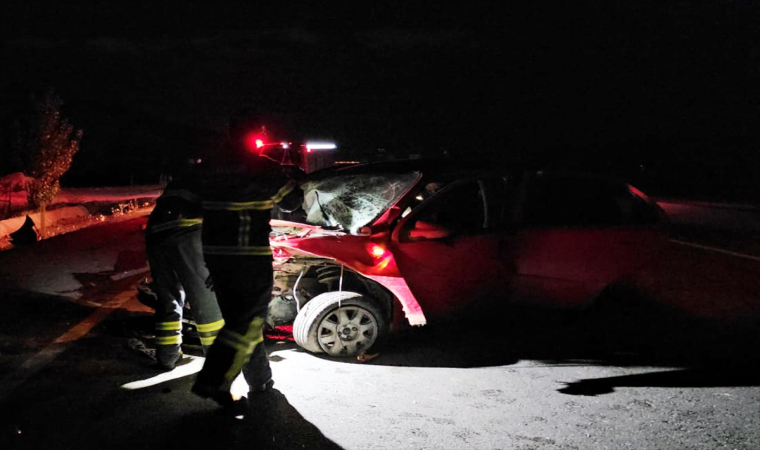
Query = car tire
x=316 y=327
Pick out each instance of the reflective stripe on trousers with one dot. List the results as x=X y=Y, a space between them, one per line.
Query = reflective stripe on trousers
x=242 y=345
x=208 y=332
x=169 y=333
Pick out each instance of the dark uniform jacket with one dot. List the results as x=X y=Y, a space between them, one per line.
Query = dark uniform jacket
x=237 y=205
x=178 y=210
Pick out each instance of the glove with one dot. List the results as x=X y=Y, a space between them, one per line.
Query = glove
x=210 y=283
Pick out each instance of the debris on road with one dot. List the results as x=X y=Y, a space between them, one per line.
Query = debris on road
x=138 y=346
x=365 y=357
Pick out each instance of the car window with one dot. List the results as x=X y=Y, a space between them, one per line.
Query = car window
x=459 y=209
x=499 y=199
x=577 y=201
x=427 y=191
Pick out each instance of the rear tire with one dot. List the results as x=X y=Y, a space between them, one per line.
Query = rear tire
x=342 y=324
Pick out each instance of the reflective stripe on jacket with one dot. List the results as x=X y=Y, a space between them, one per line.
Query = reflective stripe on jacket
x=174 y=224
x=177 y=209
x=242 y=227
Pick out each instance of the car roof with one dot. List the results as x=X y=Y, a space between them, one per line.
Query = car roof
x=453 y=167
x=428 y=167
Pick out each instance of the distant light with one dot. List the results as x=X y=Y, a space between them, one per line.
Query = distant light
x=259 y=143
x=285 y=145
x=419 y=197
x=320 y=146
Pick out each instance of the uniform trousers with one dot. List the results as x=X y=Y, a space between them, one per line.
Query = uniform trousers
x=243 y=285
x=179 y=274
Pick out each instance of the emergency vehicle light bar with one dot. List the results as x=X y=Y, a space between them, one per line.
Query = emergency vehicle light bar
x=320 y=146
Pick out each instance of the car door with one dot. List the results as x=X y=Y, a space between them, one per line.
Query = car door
x=577 y=235
x=448 y=248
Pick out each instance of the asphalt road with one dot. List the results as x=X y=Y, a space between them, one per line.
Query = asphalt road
x=677 y=372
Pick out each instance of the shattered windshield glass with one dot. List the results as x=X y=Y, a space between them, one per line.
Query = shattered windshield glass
x=350 y=202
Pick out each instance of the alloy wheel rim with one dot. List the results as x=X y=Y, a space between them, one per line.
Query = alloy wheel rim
x=347 y=331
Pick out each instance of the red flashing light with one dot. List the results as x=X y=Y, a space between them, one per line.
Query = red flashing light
x=254 y=141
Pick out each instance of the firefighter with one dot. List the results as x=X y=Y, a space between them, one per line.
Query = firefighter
x=239 y=195
x=173 y=242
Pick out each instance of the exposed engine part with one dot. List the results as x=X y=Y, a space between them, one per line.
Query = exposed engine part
x=295 y=290
x=295 y=283
x=282 y=310
x=298 y=279
x=328 y=275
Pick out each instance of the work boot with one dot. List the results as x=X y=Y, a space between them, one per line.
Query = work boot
x=168 y=364
x=232 y=403
x=261 y=388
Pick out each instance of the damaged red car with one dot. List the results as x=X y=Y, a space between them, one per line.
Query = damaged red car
x=382 y=246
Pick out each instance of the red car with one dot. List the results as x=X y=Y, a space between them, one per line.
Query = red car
x=381 y=245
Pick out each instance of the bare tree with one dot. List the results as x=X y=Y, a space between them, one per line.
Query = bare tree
x=48 y=142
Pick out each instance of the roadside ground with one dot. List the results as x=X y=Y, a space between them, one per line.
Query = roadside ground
x=76 y=208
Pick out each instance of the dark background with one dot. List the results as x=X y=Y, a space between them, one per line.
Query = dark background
x=666 y=94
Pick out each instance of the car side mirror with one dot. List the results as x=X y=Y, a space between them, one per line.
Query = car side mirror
x=364 y=231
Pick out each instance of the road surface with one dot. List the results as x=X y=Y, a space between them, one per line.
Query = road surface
x=677 y=373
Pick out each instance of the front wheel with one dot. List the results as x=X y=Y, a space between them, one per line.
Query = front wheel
x=339 y=324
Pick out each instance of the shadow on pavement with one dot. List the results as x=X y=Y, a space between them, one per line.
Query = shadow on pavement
x=79 y=402
x=734 y=375
x=711 y=352
x=645 y=335
x=271 y=424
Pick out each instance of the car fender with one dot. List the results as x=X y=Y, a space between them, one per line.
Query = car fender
x=352 y=251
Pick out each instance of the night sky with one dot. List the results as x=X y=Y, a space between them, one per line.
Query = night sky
x=644 y=82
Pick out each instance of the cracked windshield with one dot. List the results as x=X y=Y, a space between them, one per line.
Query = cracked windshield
x=353 y=201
